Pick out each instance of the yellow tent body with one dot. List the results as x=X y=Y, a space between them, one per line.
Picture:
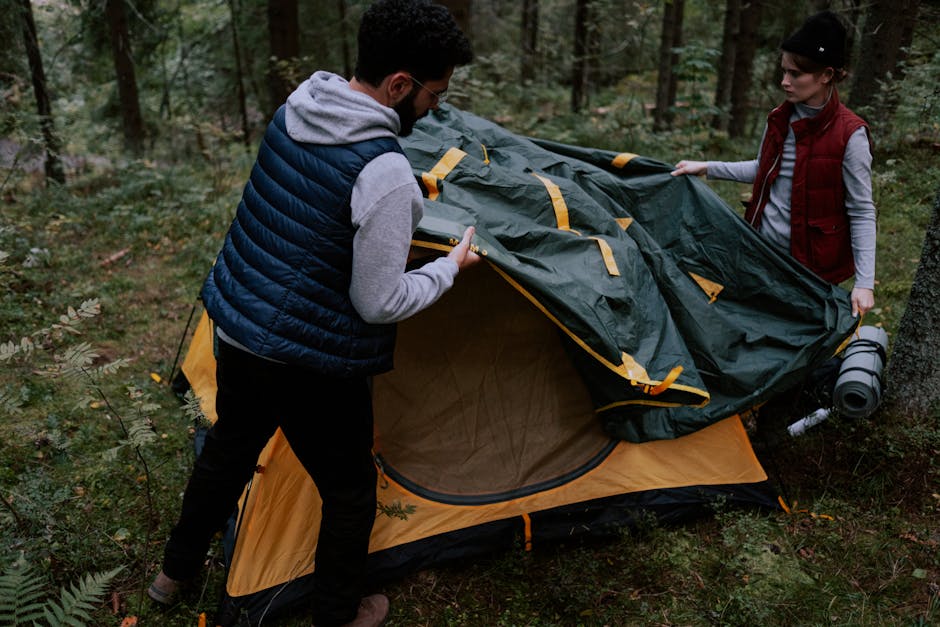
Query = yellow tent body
x=485 y=437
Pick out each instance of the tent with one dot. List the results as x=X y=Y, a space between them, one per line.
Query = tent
x=593 y=370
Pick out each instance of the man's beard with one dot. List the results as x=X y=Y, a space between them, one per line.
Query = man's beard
x=406 y=114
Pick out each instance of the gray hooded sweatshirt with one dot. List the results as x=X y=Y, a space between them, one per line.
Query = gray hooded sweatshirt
x=386 y=201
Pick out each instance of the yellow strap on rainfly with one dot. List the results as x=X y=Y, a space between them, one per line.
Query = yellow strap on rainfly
x=629 y=368
x=669 y=380
x=622 y=159
x=527 y=530
x=440 y=170
x=608 y=254
x=624 y=222
x=558 y=202
x=710 y=288
x=855 y=335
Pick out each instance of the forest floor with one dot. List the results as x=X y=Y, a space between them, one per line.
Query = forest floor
x=859 y=546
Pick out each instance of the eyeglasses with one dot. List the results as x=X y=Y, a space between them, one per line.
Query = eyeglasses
x=439 y=96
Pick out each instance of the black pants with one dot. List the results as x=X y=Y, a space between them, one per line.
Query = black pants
x=328 y=424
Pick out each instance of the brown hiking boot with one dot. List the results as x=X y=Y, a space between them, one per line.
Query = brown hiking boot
x=163 y=589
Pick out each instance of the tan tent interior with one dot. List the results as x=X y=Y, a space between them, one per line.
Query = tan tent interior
x=482 y=419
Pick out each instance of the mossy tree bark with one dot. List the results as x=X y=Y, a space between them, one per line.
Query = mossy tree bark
x=913 y=371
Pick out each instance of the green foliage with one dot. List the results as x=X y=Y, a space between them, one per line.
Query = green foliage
x=22 y=592
x=395 y=509
x=23 y=600
x=95 y=452
x=192 y=408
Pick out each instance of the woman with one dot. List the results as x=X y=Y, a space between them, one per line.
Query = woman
x=812 y=178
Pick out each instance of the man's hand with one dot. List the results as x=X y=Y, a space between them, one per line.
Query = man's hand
x=863 y=299
x=461 y=254
x=697 y=168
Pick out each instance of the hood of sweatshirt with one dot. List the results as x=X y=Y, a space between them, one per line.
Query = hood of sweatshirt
x=325 y=110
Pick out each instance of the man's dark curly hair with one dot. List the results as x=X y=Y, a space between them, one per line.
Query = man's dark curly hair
x=415 y=36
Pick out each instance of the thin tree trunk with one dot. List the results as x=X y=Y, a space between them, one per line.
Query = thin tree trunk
x=579 y=64
x=462 y=10
x=239 y=75
x=913 y=379
x=53 y=165
x=744 y=68
x=131 y=117
x=344 y=37
x=888 y=31
x=666 y=84
x=284 y=42
x=529 y=39
x=729 y=48
x=592 y=63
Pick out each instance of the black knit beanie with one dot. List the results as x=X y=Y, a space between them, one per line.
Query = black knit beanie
x=820 y=38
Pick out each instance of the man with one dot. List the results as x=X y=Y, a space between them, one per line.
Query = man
x=307 y=288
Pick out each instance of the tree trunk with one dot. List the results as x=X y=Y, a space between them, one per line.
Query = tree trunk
x=592 y=63
x=666 y=84
x=579 y=72
x=462 y=10
x=913 y=379
x=744 y=67
x=54 y=170
x=131 y=118
x=344 y=38
x=852 y=12
x=239 y=75
x=729 y=48
x=284 y=43
x=529 y=38
x=889 y=28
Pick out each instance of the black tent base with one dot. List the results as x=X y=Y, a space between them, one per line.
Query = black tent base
x=600 y=518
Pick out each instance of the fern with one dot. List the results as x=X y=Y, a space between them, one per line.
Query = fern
x=396 y=509
x=75 y=602
x=23 y=599
x=9 y=350
x=109 y=368
x=21 y=594
x=9 y=404
x=139 y=433
x=68 y=323
x=192 y=407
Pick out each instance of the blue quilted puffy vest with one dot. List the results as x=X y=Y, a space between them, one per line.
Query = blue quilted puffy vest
x=280 y=285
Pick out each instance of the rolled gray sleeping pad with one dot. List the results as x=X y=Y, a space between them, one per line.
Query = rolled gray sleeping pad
x=858 y=388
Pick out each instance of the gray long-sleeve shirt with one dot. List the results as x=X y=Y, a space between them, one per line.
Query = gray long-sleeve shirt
x=856 y=176
x=386 y=201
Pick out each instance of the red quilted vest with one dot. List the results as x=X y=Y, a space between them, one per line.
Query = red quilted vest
x=819 y=225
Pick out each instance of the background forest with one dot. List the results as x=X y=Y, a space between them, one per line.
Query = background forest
x=127 y=128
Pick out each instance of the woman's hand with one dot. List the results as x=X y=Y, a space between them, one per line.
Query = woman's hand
x=697 y=168
x=863 y=299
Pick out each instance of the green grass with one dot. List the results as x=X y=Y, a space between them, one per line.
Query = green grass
x=860 y=547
